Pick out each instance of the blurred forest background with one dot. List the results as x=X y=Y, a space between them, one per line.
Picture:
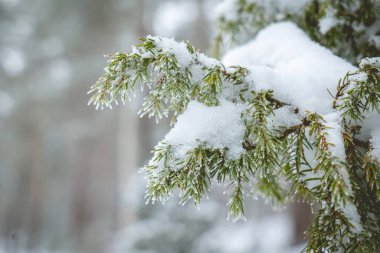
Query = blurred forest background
x=68 y=173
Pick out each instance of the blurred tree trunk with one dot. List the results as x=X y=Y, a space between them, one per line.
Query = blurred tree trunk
x=145 y=128
x=302 y=217
x=133 y=134
x=201 y=30
x=25 y=206
x=36 y=190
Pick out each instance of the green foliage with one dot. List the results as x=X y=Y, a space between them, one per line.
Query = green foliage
x=372 y=172
x=171 y=85
x=267 y=146
x=332 y=168
x=193 y=175
x=349 y=37
x=330 y=231
x=359 y=92
x=249 y=18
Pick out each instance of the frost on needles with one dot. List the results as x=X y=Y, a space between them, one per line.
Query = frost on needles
x=280 y=116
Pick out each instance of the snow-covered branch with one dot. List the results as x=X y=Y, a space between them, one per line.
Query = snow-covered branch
x=259 y=120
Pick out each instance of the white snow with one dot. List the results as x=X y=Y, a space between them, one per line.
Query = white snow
x=207 y=61
x=351 y=212
x=218 y=126
x=369 y=125
x=375 y=61
x=298 y=70
x=178 y=49
x=375 y=142
x=284 y=117
x=194 y=61
x=328 y=21
x=334 y=135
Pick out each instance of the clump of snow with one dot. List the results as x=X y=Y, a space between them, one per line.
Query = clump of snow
x=197 y=73
x=284 y=117
x=334 y=135
x=218 y=126
x=207 y=61
x=369 y=125
x=374 y=61
x=328 y=21
x=375 y=40
x=284 y=59
x=178 y=49
x=351 y=212
x=185 y=58
x=375 y=143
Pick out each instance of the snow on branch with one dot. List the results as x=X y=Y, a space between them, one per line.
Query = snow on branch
x=174 y=72
x=263 y=116
x=349 y=28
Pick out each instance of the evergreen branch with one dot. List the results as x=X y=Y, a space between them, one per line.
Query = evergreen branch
x=362 y=144
x=333 y=178
x=359 y=92
x=372 y=172
x=175 y=73
x=167 y=68
x=278 y=103
x=327 y=230
x=293 y=129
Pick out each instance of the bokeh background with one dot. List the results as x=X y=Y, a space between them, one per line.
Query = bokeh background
x=69 y=177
